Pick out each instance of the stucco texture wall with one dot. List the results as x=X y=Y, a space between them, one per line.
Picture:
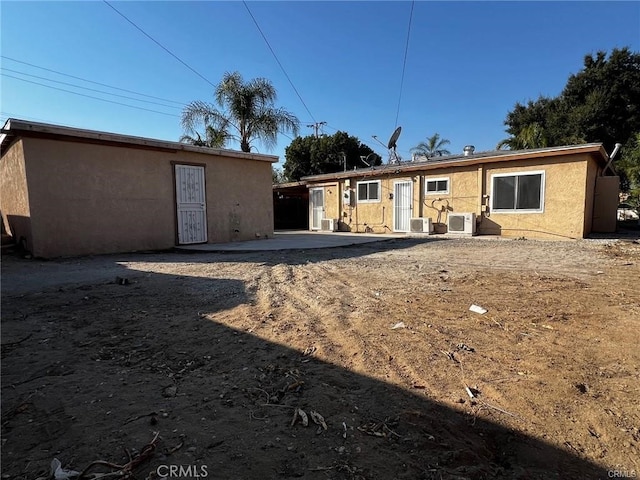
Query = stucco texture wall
x=461 y=198
x=565 y=184
x=239 y=198
x=93 y=198
x=14 y=195
x=377 y=216
x=567 y=210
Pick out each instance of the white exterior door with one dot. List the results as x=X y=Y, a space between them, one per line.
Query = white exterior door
x=191 y=204
x=402 y=206
x=317 y=207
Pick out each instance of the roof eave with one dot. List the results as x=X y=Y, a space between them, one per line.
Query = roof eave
x=14 y=128
x=592 y=148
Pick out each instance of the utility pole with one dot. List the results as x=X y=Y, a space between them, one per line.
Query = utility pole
x=316 y=126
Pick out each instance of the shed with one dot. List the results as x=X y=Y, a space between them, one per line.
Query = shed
x=556 y=192
x=68 y=191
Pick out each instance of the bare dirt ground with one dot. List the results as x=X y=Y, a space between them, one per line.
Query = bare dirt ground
x=201 y=360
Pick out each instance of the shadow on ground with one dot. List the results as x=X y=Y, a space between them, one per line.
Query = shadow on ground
x=92 y=369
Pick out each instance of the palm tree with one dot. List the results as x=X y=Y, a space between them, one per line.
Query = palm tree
x=531 y=136
x=432 y=147
x=248 y=112
x=214 y=138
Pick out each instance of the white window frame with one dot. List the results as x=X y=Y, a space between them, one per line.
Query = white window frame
x=378 y=200
x=518 y=210
x=437 y=192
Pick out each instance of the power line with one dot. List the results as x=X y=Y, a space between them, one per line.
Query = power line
x=90 y=81
x=404 y=64
x=8 y=115
x=158 y=43
x=89 y=96
x=276 y=57
x=87 y=88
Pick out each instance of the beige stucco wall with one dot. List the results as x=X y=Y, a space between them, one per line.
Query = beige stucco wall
x=564 y=200
x=239 y=197
x=93 y=198
x=14 y=194
x=377 y=217
x=568 y=199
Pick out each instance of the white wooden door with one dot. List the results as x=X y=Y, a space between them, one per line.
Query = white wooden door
x=402 y=206
x=191 y=204
x=317 y=207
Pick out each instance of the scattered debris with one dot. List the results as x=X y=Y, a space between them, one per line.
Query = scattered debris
x=60 y=473
x=398 y=325
x=344 y=426
x=469 y=392
x=478 y=309
x=463 y=346
x=121 y=471
x=318 y=420
x=298 y=413
x=378 y=429
x=450 y=356
x=122 y=281
x=309 y=351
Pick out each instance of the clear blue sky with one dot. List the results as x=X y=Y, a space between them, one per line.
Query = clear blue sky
x=467 y=63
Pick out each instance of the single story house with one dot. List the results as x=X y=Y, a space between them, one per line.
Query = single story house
x=67 y=191
x=557 y=192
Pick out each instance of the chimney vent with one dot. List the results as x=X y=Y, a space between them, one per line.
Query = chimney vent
x=468 y=150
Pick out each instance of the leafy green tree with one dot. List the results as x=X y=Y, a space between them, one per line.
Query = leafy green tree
x=244 y=112
x=628 y=166
x=326 y=154
x=434 y=146
x=598 y=104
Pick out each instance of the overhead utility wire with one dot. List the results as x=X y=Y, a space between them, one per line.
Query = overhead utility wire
x=87 y=88
x=276 y=57
x=89 y=96
x=404 y=64
x=90 y=81
x=158 y=43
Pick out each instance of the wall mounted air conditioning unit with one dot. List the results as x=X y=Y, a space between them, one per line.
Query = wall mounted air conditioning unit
x=461 y=223
x=421 y=225
x=329 y=225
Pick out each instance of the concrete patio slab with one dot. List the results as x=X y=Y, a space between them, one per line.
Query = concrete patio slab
x=293 y=240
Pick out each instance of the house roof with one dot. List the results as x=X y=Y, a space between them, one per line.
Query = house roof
x=16 y=128
x=423 y=163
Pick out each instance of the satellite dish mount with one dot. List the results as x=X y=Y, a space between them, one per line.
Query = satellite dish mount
x=393 y=155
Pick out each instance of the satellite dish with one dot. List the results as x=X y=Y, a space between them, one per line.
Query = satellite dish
x=393 y=156
x=394 y=139
x=369 y=159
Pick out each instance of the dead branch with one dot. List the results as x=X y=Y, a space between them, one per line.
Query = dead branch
x=126 y=470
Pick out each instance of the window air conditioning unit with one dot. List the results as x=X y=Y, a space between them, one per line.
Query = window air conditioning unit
x=329 y=225
x=421 y=225
x=462 y=223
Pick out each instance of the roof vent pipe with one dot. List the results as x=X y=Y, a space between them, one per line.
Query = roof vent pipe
x=468 y=150
x=611 y=157
x=615 y=151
